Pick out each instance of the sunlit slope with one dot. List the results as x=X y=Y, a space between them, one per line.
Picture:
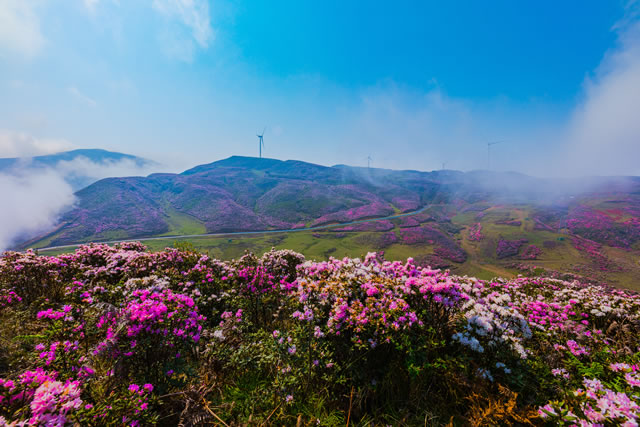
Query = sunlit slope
x=423 y=237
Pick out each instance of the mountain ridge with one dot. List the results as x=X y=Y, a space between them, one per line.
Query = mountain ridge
x=76 y=175
x=93 y=154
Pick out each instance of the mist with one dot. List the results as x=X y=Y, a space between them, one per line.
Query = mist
x=80 y=172
x=34 y=198
x=23 y=144
x=597 y=136
x=603 y=134
x=32 y=202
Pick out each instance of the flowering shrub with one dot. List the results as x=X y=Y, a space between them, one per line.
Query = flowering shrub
x=475 y=233
x=592 y=250
x=446 y=247
x=8 y=298
x=123 y=336
x=507 y=248
x=408 y=221
x=377 y=241
x=451 y=252
x=371 y=210
x=531 y=252
x=164 y=321
x=53 y=400
x=597 y=403
x=382 y=298
x=411 y=203
x=600 y=227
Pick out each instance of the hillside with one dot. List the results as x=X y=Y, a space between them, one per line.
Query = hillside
x=237 y=194
x=481 y=223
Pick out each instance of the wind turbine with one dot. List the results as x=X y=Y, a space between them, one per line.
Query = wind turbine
x=443 y=165
x=261 y=141
x=369 y=162
x=489 y=145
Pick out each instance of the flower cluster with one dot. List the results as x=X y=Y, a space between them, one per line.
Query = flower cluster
x=475 y=232
x=366 y=226
x=374 y=209
x=531 y=252
x=8 y=298
x=382 y=299
x=53 y=400
x=123 y=336
x=596 y=404
x=507 y=248
x=493 y=322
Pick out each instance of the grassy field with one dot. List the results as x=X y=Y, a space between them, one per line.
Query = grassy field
x=558 y=254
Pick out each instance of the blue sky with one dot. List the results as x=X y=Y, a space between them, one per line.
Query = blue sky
x=413 y=84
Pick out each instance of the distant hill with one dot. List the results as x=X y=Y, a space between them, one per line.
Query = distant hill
x=475 y=221
x=77 y=178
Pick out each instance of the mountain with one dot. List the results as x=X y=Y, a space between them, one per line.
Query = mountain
x=51 y=160
x=77 y=166
x=479 y=221
x=235 y=194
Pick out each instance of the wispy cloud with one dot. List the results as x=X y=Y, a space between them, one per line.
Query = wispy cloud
x=77 y=94
x=20 y=31
x=188 y=26
x=90 y=5
x=604 y=132
x=20 y=144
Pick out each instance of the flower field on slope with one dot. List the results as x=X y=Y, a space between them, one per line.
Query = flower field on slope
x=118 y=335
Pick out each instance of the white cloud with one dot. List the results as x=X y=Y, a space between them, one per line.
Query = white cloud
x=192 y=13
x=20 y=144
x=32 y=203
x=188 y=24
x=83 y=167
x=20 y=28
x=604 y=133
x=90 y=5
x=77 y=94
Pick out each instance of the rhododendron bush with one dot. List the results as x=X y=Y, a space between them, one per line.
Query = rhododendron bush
x=118 y=335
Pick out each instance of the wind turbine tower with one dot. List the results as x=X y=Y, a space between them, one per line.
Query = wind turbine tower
x=368 y=162
x=261 y=141
x=489 y=145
